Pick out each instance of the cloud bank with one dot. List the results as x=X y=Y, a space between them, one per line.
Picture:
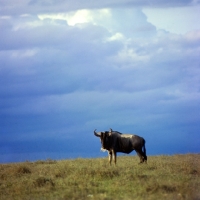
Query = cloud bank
x=52 y=6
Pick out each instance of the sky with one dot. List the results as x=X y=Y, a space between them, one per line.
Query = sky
x=69 y=67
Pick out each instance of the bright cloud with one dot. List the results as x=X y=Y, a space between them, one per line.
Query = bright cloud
x=79 y=16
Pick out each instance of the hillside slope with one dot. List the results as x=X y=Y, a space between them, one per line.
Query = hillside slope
x=164 y=177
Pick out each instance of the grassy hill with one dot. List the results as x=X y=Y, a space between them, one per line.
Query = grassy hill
x=164 y=177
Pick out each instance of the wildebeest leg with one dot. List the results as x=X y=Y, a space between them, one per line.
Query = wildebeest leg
x=144 y=152
x=110 y=156
x=140 y=154
x=145 y=158
x=115 y=156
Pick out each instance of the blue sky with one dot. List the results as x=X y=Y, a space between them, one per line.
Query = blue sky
x=68 y=67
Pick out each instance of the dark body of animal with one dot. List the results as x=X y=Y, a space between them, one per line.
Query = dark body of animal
x=114 y=141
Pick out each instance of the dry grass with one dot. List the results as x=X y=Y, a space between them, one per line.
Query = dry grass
x=164 y=177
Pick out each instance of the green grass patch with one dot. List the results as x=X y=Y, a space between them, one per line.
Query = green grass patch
x=164 y=177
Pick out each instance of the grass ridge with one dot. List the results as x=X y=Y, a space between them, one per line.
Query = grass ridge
x=164 y=177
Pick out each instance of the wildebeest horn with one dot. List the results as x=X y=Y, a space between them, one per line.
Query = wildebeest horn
x=95 y=133
x=110 y=132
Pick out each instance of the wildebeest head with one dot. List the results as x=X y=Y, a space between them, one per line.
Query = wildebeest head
x=105 y=138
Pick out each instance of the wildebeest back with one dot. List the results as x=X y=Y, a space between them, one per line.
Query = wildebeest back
x=125 y=143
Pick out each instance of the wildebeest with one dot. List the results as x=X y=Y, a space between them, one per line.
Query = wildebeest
x=114 y=141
